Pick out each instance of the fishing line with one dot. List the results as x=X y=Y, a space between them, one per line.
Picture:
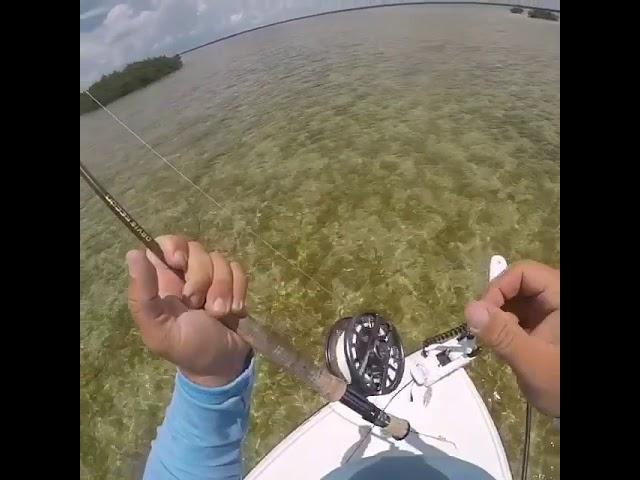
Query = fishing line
x=291 y=263
x=294 y=265
x=527 y=442
x=265 y=342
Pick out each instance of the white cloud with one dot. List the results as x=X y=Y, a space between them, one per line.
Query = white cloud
x=236 y=17
x=93 y=13
x=127 y=35
x=118 y=14
x=141 y=28
x=202 y=6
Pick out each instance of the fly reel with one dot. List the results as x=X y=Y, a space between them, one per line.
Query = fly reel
x=367 y=353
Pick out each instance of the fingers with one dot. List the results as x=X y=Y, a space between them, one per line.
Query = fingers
x=210 y=282
x=198 y=277
x=175 y=249
x=240 y=283
x=535 y=362
x=228 y=289
x=549 y=330
x=527 y=279
x=220 y=295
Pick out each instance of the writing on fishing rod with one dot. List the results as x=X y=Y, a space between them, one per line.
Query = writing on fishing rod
x=122 y=212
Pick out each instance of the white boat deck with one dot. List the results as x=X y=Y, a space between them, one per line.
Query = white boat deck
x=453 y=437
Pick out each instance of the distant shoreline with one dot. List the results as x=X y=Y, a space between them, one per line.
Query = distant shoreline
x=352 y=9
x=134 y=76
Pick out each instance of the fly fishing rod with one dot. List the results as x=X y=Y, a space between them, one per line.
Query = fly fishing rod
x=276 y=349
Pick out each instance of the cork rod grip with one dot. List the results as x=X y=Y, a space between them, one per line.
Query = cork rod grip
x=282 y=354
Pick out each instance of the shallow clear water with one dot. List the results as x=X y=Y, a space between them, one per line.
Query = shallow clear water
x=388 y=152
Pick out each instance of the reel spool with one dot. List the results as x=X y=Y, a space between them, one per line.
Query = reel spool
x=367 y=353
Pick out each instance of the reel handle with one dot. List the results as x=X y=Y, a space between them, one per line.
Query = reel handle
x=398 y=428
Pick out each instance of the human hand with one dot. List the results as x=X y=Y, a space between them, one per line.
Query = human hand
x=182 y=320
x=518 y=317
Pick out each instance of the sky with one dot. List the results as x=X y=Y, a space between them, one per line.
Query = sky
x=114 y=33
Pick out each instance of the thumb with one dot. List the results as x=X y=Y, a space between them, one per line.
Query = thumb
x=147 y=308
x=498 y=330
x=535 y=362
x=144 y=301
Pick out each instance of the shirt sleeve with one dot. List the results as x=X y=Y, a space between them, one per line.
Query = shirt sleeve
x=202 y=432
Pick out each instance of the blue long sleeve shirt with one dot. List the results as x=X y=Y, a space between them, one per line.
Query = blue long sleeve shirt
x=203 y=429
x=201 y=436
x=201 y=439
